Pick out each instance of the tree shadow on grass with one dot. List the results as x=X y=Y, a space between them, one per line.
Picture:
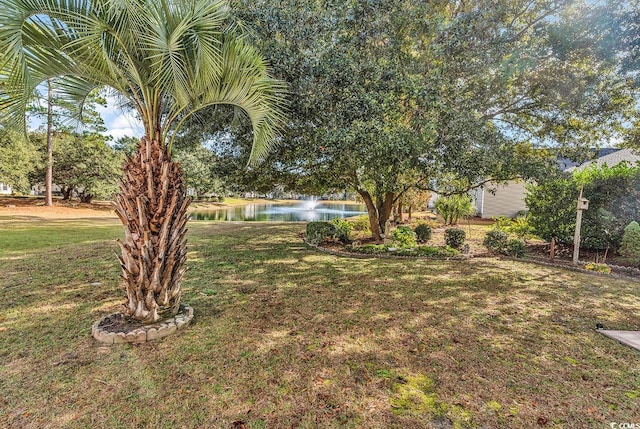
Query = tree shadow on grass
x=285 y=336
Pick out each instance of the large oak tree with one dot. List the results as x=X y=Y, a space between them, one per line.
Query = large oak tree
x=390 y=95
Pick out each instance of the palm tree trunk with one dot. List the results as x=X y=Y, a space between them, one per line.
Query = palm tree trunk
x=152 y=206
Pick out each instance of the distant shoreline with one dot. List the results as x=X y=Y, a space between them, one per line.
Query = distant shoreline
x=33 y=207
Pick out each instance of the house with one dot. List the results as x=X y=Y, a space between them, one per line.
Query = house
x=495 y=200
x=5 y=189
x=609 y=158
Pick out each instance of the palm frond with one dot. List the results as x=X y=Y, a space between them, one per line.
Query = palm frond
x=169 y=58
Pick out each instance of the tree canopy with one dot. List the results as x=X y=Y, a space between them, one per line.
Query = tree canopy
x=391 y=95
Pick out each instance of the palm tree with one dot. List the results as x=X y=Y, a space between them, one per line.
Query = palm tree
x=167 y=59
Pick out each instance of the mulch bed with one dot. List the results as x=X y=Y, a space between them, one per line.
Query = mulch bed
x=118 y=323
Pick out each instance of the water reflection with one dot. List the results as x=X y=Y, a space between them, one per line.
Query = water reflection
x=282 y=212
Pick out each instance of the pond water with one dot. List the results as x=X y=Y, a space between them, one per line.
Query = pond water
x=304 y=211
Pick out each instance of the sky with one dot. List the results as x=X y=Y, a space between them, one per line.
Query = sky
x=119 y=123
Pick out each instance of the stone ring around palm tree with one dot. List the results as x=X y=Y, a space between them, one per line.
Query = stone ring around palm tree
x=116 y=329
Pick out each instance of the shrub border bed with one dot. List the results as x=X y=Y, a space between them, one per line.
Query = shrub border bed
x=633 y=272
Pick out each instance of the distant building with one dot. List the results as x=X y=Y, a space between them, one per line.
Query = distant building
x=5 y=189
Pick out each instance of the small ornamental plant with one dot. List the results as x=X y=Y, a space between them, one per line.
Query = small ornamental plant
x=343 y=229
x=317 y=232
x=599 y=268
x=403 y=237
x=454 y=238
x=423 y=233
x=496 y=241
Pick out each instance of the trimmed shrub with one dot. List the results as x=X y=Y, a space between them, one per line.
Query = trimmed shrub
x=360 y=223
x=454 y=238
x=423 y=251
x=403 y=236
x=516 y=248
x=317 y=232
x=343 y=229
x=423 y=233
x=496 y=241
x=630 y=245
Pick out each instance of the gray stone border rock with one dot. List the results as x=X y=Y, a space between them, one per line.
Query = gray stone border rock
x=150 y=332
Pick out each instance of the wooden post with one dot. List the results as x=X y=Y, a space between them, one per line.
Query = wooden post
x=583 y=204
x=552 y=251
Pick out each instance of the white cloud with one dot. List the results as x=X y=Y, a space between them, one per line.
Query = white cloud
x=120 y=123
x=116 y=133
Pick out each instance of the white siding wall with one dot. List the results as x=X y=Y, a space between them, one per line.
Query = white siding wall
x=508 y=200
x=5 y=189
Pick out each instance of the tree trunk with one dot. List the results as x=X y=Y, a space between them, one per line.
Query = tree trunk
x=400 y=211
x=384 y=203
x=86 y=198
x=48 y=181
x=379 y=212
x=152 y=206
x=409 y=211
x=66 y=192
x=374 y=225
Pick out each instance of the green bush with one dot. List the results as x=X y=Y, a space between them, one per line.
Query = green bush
x=423 y=233
x=453 y=207
x=614 y=201
x=630 y=245
x=496 y=241
x=403 y=236
x=428 y=251
x=502 y=223
x=516 y=248
x=360 y=223
x=317 y=232
x=343 y=229
x=521 y=228
x=454 y=237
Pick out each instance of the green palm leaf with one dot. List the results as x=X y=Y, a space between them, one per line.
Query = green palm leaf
x=169 y=58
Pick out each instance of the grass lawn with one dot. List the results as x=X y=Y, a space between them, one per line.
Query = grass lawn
x=288 y=337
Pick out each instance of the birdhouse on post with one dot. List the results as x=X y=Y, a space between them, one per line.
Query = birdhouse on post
x=583 y=204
